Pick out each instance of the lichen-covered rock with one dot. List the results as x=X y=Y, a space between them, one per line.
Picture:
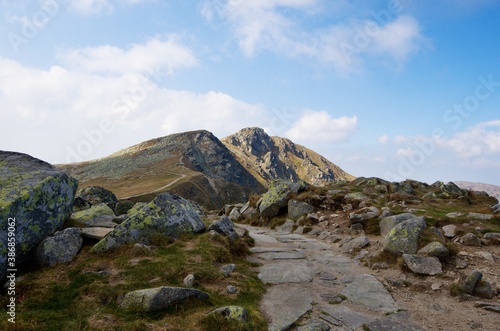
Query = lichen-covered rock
x=436 y=249
x=167 y=215
x=35 y=195
x=160 y=298
x=96 y=233
x=389 y=222
x=235 y=313
x=61 y=247
x=277 y=197
x=224 y=226
x=80 y=204
x=298 y=208
x=403 y=238
x=97 y=194
x=469 y=284
x=89 y=217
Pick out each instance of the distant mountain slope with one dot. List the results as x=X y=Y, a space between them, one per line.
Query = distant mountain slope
x=268 y=158
x=192 y=164
x=492 y=190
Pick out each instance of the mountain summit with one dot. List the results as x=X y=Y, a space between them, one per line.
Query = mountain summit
x=198 y=166
x=268 y=158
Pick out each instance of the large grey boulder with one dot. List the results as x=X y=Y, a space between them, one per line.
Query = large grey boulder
x=470 y=239
x=298 y=208
x=423 y=265
x=167 y=215
x=277 y=197
x=224 y=226
x=160 y=298
x=61 y=247
x=36 y=198
x=403 y=238
x=389 y=222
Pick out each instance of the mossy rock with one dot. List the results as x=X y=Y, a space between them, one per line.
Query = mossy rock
x=167 y=215
x=38 y=196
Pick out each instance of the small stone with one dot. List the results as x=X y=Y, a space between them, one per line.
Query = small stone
x=460 y=263
x=470 y=239
x=471 y=281
x=435 y=249
x=450 y=231
x=314 y=325
x=436 y=286
x=134 y=262
x=189 y=280
x=333 y=298
x=227 y=269
x=230 y=289
x=235 y=313
x=484 y=290
x=492 y=237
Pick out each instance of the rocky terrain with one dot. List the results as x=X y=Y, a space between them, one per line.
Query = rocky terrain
x=197 y=165
x=492 y=190
x=365 y=254
x=269 y=158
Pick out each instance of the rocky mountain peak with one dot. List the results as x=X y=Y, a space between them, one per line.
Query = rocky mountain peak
x=254 y=141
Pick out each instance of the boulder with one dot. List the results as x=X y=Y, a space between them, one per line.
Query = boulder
x=364 y=214
x=224 y=226
x=123 y=206
x=492 y=237
x=298 y=208
x=167 y=215
x=94 y=216
x=496 y=208
x=35 y=200
x=97 y=194
x=471 y=281
x=80 y=204
x=61 y=247
x=160 y=298
x=355 y=244
x=484 y=290
x=470 y=239
x=235 y=214
x=403 y=238
x=436 y=249
x=423 y=265
x=235 y=313
x=277 y=197
x=389 y=222
x=450 y=231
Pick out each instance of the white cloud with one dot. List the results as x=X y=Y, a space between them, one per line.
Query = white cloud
x=383 y=139
x=319 y=126
x=480 y=140
x=163 y=55
x=278 y=26
x=52 y=111
x=90 y=7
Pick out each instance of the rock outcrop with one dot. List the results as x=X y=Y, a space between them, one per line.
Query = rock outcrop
x=36 y=198
x=269 y=158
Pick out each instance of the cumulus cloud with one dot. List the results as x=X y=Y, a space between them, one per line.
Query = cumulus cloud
x=482 y=139
x=278 y=26
x=319 y=126
x=156 y=55
x=66 y=110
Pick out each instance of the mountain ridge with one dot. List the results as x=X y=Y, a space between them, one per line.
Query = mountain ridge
x=199 y=166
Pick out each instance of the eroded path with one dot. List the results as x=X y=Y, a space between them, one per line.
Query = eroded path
x=313 y=286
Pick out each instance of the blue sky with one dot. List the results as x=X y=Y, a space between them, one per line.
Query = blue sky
x=394 y=89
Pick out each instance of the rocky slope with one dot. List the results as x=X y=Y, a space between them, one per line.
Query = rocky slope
x=269 y=158
x=193 y=164
x=198 y=166
x=492 y=190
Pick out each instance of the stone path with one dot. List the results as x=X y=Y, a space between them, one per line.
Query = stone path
x=312 y=286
